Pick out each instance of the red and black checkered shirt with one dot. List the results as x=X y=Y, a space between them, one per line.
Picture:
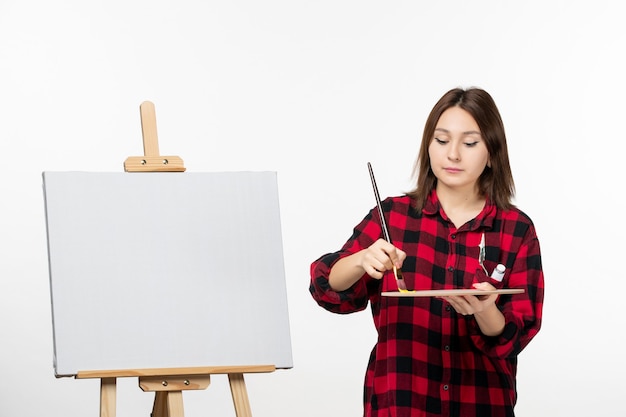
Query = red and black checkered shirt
x=430 y=360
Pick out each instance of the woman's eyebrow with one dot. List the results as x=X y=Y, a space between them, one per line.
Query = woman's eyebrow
x=469 y=132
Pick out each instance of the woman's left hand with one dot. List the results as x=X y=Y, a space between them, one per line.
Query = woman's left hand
x=473 y=304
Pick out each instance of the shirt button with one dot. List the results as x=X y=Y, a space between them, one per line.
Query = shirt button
x=448 y=308
x=450 y=268
x=453 y=236
x=446 y=348
x=445 y=387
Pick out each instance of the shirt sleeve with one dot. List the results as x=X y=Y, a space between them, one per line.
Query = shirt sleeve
x=356 y=297
x=522 y=312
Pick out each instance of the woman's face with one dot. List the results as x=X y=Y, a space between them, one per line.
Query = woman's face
x=458 y=153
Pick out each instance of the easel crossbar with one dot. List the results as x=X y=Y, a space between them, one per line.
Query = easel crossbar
x=203 y=370
x=169 y=383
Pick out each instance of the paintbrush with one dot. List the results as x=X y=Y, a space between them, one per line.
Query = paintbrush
x=397 y=272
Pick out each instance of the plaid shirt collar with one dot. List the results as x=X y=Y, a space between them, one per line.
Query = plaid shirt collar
x=484 y=219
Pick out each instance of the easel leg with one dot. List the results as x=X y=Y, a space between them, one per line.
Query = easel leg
x=107 y=397
x=240 y=395
x=168 y=404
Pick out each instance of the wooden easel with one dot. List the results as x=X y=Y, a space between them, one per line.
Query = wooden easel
x=168 y=384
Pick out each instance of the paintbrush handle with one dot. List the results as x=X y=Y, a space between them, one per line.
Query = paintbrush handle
x=383 y=223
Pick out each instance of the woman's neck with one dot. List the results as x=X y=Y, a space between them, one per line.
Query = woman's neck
x=459 y=206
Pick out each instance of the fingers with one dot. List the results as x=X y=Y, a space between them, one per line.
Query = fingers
x=460 y=305
x=374 y=268
x=485 y=286
x=472 y=304
x=381 y=256
x=376 y=264
x=386 y=250
x=396 y=256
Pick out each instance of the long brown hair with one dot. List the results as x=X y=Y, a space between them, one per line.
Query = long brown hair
x=496 y=182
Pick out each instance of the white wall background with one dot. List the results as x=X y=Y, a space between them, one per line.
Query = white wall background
x=314 y=90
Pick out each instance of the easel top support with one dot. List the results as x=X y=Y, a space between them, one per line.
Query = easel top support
x=203 y=370
x=151 y=161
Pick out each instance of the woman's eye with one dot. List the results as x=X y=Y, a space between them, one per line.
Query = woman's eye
x=471 y=144
x=441 y=141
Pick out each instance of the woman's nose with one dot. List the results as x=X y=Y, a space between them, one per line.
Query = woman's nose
x=453 y=153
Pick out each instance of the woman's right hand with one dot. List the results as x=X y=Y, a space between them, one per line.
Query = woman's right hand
x=381 y=256
x=374 y=261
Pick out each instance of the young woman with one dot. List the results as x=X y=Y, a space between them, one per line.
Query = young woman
x=449 y=355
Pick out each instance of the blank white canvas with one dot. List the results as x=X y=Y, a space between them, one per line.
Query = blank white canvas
x=162 y=270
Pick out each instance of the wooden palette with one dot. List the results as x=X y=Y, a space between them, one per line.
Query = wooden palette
x=451 y=292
